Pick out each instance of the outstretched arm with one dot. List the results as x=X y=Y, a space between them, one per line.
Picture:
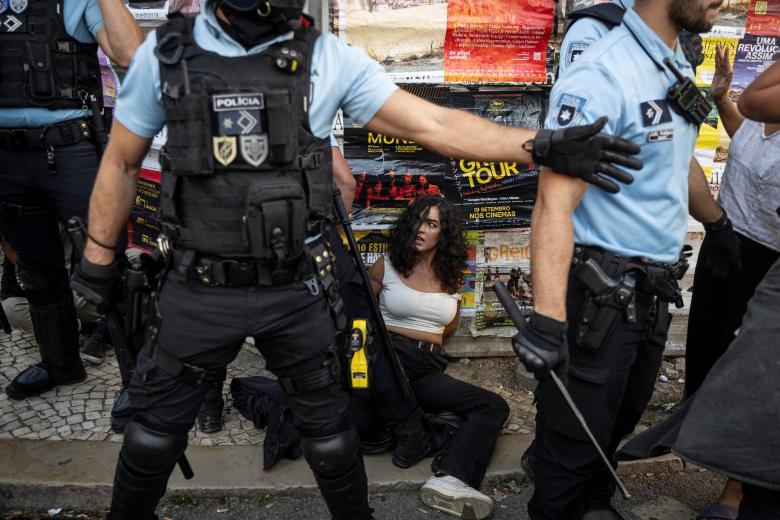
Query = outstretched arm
x=121 y=35
x=759 y=101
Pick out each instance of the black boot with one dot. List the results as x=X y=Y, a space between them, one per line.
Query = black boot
x=412 y=441
x=56 y=331
x=146 y=461
x=210 y=413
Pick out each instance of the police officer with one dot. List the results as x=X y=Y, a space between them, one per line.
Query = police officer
x=50 y=109
x=622 y=250
x=248 y=90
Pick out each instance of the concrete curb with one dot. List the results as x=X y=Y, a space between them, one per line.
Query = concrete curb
x=78 y=474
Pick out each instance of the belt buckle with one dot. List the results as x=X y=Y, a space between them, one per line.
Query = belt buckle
x=193 y=370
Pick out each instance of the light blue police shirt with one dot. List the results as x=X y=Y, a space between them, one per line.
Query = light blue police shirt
x=616 y=78
x=83 y=20
x=582 y=35
x=341 y=76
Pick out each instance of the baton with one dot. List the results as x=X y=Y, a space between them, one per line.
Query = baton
x=78 y=235
x=517 y=317
x=344 y=220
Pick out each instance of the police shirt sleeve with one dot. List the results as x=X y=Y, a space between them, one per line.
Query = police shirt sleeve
x=586 y=93
x=93 y=17
x=138 y=106
x=579 y=37
x=364 y=82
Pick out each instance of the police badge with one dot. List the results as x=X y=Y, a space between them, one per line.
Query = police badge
x=3 y=6
x=254 y=148
x=18 y=6
x=225 y=149
x=239 y=121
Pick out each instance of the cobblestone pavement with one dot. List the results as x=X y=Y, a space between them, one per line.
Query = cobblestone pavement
x=83 y=411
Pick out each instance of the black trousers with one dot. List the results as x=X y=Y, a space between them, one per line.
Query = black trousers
x=35 y=197
x=612 y=388
x=717 y=307
x=482 y=411
x=759 y=503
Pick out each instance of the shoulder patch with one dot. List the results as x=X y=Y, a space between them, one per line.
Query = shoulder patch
x=655 y=112
x=574 y=50
x=570 y=108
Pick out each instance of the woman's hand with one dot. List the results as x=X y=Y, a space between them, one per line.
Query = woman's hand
x=724 y=73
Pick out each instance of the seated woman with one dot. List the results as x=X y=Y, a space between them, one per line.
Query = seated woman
x=418 y=285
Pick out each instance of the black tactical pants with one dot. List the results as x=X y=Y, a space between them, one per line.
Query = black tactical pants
x=611 y=387
x=206 y=326
x=483 y=412
x=717 y=307
x=759 y=503
x=34 y=198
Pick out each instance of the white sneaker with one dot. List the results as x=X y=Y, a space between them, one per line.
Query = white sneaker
x=450 y=495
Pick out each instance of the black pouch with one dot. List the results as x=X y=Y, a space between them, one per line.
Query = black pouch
x=659 y=323
x=275 y=221
x=40 y=76
x=282 y=127
x=595 y=324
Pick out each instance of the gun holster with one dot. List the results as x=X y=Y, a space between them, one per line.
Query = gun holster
x=607 y=300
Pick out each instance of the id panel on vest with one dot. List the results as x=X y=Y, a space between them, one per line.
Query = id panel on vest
x=44 y=66
x=243 y=175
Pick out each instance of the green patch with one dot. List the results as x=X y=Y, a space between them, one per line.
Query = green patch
x=264 y=500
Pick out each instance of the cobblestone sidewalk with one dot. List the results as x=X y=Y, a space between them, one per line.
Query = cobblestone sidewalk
x=83 y=411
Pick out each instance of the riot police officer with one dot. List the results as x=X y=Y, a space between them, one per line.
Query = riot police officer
x=50 y=121
x=622 y=250
x=248 y=90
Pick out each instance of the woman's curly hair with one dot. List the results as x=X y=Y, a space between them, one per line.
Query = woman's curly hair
x=450 y=258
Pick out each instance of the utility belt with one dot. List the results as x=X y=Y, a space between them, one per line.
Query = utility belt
x=315 y=267
x=58 y=134
x=425 y=346
x=611 y=282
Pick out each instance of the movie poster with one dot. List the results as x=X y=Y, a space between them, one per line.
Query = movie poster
x=503 y=256
x=706 y=71
x=372 y=244
x=389 y=172
x=143 y=225
x=497 y=41
x=495 y=195
x=754 y=55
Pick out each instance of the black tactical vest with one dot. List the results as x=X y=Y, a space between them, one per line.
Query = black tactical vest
x=242 y=174
x=41 y=65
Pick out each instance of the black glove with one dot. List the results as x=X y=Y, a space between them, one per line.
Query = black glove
x=541 y=346
x=583 y=152
x=94 y=282
x=720 y=249
x=693 y=48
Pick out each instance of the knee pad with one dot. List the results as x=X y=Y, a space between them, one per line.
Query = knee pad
x=333 y=455
x=149 y=450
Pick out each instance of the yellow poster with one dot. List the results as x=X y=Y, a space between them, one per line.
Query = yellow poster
x=706 y=70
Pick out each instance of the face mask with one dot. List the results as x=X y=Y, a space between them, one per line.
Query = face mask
x=251 y=28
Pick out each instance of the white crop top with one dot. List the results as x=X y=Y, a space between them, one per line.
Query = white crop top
x=409 y=308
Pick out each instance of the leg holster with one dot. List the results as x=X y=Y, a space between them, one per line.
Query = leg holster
x=146 y=461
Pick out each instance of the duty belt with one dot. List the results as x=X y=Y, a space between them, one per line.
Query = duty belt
x=655 y=278
x=58 y=134
x=228 y=272
x=433 y=348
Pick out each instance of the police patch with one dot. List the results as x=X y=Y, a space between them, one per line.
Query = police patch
x=10 y=23
x=570 y=109
x=254 y=148
x=250 y=101
x=3 y=6
x=574 y=50
x=224 y=149
x=656 y=136
x=18 y=6
x=655 y=112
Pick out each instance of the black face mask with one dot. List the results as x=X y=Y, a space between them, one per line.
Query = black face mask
x=249 y=28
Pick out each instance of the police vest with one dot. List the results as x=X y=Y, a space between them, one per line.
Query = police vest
x=41 y=65
x=242 y=174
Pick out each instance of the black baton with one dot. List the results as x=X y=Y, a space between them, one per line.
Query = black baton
x=519 y=320
x=344 y=220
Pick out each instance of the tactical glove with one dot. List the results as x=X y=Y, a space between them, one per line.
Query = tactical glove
x=693 y=48
x=94 y=282
x=720 y=248
x=583 y=152
x=541 y=346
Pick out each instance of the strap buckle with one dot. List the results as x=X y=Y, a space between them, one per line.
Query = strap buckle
x=192 y=374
